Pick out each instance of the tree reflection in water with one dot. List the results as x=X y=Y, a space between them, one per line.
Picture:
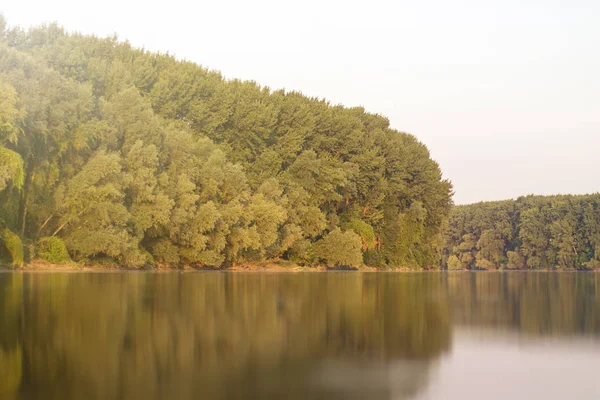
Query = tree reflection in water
x=244 y=336
x=219 y=335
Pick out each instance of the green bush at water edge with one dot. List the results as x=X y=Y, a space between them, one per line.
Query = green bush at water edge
x=12 y=250
x=340 y=249
x=53 y=249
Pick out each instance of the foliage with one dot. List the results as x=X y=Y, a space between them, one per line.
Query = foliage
x=11 y=248
x=340 y=249
x=454 y=263
x=364 y=230
x=530 y=232
x=11 y=168
x=144 y=159
x=10 y=114
x=52 y=249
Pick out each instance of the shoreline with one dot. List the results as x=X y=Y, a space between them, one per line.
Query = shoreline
x=43 y=266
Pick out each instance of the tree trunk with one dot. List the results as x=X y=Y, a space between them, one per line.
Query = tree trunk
x=24 y=201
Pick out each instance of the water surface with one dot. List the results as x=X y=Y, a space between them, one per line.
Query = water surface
x=299 y=336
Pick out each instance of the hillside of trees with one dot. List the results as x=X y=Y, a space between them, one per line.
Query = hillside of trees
x=549 y=232
x=116 y=155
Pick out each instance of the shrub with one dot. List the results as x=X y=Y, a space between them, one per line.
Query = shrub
x=302 y=252
x=364 y=230
x=12 y=248
x=11 y=168
x=138 y=258
x=592 y=264
x=515 y=260
x=454 y=263
x=166 y=253
x=340 y=249
x=375 y=258
x=53 y=249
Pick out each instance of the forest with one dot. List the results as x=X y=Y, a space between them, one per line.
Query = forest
x=532 y=232
x=117 y=156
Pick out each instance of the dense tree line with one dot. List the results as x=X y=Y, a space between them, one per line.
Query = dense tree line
x=125 y=156
x=528 y=233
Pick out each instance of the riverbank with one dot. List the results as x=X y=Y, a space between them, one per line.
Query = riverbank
x=266 y=266
x=279 y=266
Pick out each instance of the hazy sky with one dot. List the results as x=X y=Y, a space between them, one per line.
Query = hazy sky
x=505 y=93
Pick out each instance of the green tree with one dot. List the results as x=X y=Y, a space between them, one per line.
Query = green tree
x=11 y=248
x=530 y=232
x=490 y=248
x=52 y=249
x=454 y=263
x=144 y=159
x=340 y=249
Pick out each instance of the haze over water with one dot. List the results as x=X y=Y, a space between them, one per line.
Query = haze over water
x=418 y=336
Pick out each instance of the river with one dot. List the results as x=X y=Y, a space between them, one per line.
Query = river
x=346 y=335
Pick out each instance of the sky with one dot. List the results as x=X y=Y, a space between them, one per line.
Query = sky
x=504 y=93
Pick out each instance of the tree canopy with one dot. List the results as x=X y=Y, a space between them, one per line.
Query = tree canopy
x=142 y=159
x=528 y=233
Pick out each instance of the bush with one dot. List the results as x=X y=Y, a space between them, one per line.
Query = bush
x=138 y=258
x=592 y=264
x=364 y=230
x=53 y=250
x=454 y=263
x=166 y=253
x=374 y=258
x=515 y=260
x=302 y=252
x=102 y=261
x=12 y=168
x=12 y=250
x=340 y=249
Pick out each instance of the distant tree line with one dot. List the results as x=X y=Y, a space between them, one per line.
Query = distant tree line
x=114 y=154
x=528 y=233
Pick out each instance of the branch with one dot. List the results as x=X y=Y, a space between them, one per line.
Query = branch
x=69 y=220
x=42 y=227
